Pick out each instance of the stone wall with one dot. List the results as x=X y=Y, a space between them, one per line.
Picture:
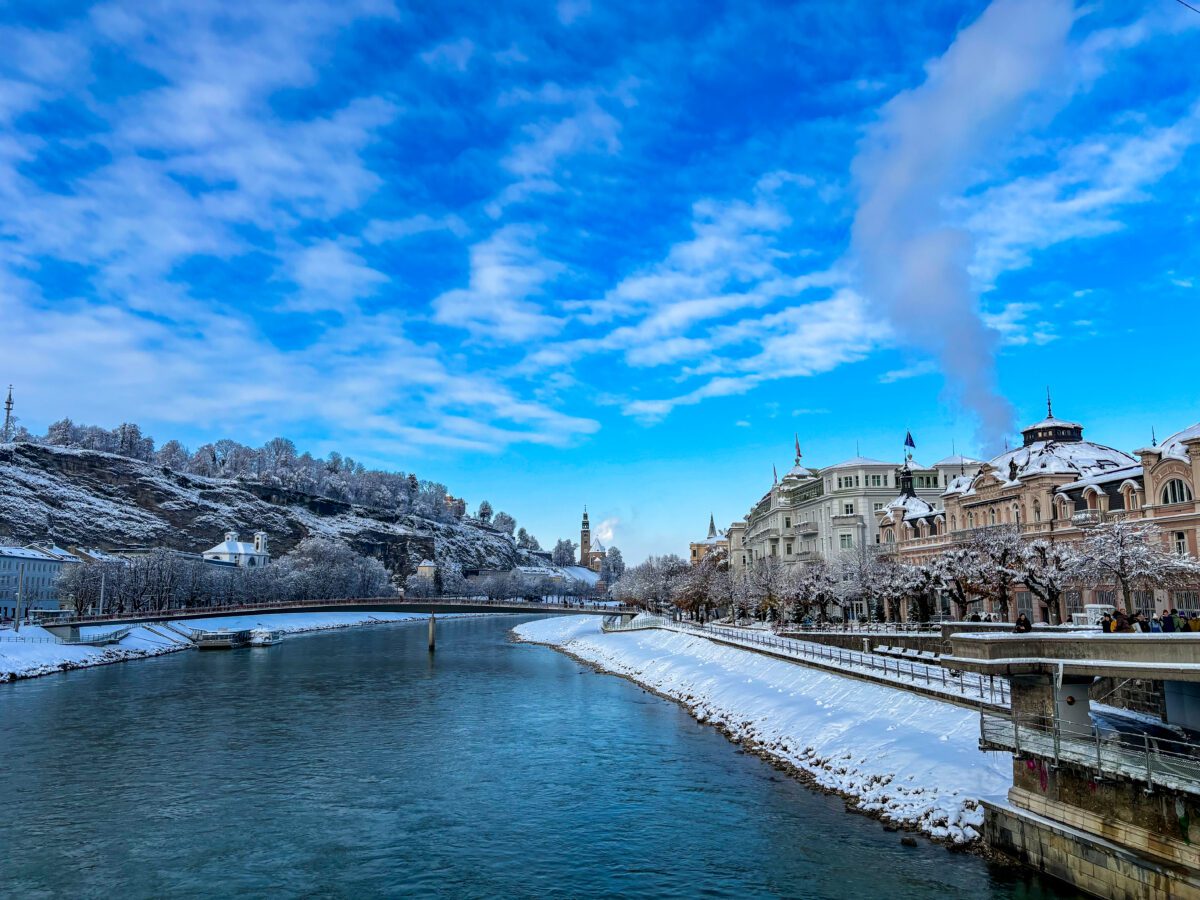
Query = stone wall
x=851 y=640
x=1088 y=862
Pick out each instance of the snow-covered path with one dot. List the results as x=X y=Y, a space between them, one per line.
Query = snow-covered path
x=907 y=757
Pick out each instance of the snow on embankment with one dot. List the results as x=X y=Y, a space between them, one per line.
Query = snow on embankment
x=33 y=651
x=903 y=756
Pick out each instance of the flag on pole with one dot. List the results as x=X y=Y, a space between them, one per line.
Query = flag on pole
x=797 y=448
x=775 y=472
x=908 y=441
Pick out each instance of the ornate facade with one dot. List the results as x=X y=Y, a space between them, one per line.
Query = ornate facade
x=1055 y=486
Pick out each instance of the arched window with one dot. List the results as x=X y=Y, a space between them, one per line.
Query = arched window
x=1037 y=511
x=889 y=536
x=992 y=515
x=971 y=520
x=954 y=523
x=1176 y=491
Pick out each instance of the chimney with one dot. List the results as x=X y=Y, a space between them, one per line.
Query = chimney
x=231 y=536
x=260 y=541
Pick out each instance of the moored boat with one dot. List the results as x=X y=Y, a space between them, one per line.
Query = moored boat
x=225 y=639
x=265 y=637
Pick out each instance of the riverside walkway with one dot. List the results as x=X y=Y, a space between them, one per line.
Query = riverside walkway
x=963 y=688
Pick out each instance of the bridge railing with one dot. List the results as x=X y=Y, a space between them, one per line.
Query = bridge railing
x=349 y=602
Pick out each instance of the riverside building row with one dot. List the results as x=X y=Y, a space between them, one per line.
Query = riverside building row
x=1054 y=486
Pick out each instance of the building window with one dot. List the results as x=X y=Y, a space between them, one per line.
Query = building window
x=787 y=521
x=1143 y=602
x=971 y=520
x=1074 y=602
x=1025 y=603
x=1108 y=598
x=876 y=507
x=992 y=515
x=847 y=509
x=1037 y=511
x=876 y=481
x=789 y=549
x=1186 y=600
x=1179 y=539
x=1176 y=491
x=846 y=541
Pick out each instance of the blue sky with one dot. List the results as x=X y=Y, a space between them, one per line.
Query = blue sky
x=564 y=253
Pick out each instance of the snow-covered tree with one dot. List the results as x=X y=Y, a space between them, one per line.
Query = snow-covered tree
x=956 y=572
x=504 y=522
x=563 y=553
x=999 y=554
x=1046 y=567
x=173 y=455
x=612 y=566
x=1131 y=556
x=484 y=514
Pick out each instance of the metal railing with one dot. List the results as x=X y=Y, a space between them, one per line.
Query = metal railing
x=1165 y=762
x=111 y=637
x=984 y=690
x=151 y=615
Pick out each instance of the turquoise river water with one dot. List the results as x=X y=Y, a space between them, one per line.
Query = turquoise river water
x=356 y=764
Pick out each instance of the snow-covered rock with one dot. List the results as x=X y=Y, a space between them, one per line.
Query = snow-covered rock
x=900 y=755
x=111 y=502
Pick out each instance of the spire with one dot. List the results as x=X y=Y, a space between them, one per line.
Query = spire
x=1049 y=408
x=1153 y=437
x=6 y=434
x=712 y=526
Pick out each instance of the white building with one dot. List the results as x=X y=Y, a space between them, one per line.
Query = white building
x=813 y=514
x=33 y=571
x=240 y=553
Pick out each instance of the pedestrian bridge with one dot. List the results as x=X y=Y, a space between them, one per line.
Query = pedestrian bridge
x=69 y=627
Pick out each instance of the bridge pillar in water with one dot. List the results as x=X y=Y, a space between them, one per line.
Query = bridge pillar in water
x=432 y=632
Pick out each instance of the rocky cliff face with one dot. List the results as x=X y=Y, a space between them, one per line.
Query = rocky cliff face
x=105 y=501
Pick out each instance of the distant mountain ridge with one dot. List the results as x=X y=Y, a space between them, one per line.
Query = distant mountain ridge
x=97 y=499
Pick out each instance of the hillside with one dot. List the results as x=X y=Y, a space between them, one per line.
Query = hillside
x=103 y=500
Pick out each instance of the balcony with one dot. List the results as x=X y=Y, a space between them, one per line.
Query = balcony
x=1087 y=517
x=804 y=529
x=847 y=520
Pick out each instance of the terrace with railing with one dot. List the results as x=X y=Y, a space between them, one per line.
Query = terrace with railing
x=1138 y=755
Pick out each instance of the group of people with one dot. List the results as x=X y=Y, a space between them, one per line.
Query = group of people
x=1120 y=622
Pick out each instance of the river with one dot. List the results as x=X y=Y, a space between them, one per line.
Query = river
x=356 y=764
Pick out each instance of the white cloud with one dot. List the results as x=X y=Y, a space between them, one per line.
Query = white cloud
x=507 y=273
x=330 y=275
x=571 y=11
x=452 y=55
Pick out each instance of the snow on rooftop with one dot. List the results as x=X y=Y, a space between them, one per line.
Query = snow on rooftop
x=1107 y=476
x=914 y=507
x=1174 y=446
x=957 y=460
x=860 y=461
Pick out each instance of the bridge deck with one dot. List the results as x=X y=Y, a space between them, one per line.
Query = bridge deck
x=369 y=604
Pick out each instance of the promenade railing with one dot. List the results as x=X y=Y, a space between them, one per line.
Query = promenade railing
x=1137 y=755
x=986 y=690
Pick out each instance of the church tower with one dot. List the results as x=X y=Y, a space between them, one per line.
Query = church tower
x=585 y=541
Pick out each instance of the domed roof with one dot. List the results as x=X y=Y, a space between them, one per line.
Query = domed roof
x=914 y=507
x=1078 y=458
x=1174 y=447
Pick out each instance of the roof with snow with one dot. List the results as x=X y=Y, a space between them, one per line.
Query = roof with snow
x=798 y=471
x=55 y=552
x=25 y=553
x=235 y=548
x=958 y=460
x=914 y=507
x=860 y=461
x=1174 y=446
x=1109 y=476
x=1082 y=459
x=579 y=573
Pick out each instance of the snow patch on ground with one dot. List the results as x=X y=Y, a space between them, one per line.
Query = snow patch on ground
x=33 y=651
x=905 y=757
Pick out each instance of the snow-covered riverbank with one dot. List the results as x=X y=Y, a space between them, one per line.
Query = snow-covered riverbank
x=33 y=651
x=902 y=756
